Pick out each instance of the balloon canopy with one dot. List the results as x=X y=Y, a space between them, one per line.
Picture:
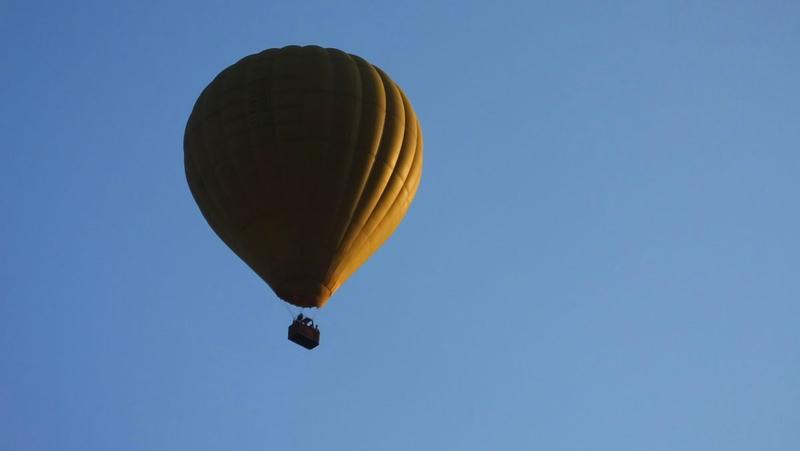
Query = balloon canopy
x=303 y=160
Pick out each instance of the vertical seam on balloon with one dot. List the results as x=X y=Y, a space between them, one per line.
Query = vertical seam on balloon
x=223 y=153
x=352 y=244
x=233 y=154
x=409 y=187
x=368 y=169
x=410 y=147
x=383 y=200
x=207 y=176
x=350 y=232
x=274 y=68
x=251 y=143
x=248 y=95
x=314 y=194
x=339 y=254
x=263 y=90
x=299 y=244
x=416 y=164
x=198 y=189
x=251 y=93
x=364 y=238
x=348 y=152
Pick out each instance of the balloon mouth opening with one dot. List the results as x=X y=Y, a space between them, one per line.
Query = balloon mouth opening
x=304 y=293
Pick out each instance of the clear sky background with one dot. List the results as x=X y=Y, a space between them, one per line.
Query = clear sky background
x=603 y=253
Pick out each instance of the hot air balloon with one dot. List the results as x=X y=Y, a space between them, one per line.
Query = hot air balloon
x=303 y=160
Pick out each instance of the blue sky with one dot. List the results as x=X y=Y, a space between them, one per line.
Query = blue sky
x=602 y=254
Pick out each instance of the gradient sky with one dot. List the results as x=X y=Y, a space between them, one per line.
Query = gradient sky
x=603 y=253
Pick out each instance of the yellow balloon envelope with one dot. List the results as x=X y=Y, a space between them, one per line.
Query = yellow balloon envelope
x=303 y=160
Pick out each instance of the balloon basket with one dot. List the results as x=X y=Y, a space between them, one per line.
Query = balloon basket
x=304 y=334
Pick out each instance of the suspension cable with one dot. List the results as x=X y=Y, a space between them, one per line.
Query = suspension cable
x=289 y=309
